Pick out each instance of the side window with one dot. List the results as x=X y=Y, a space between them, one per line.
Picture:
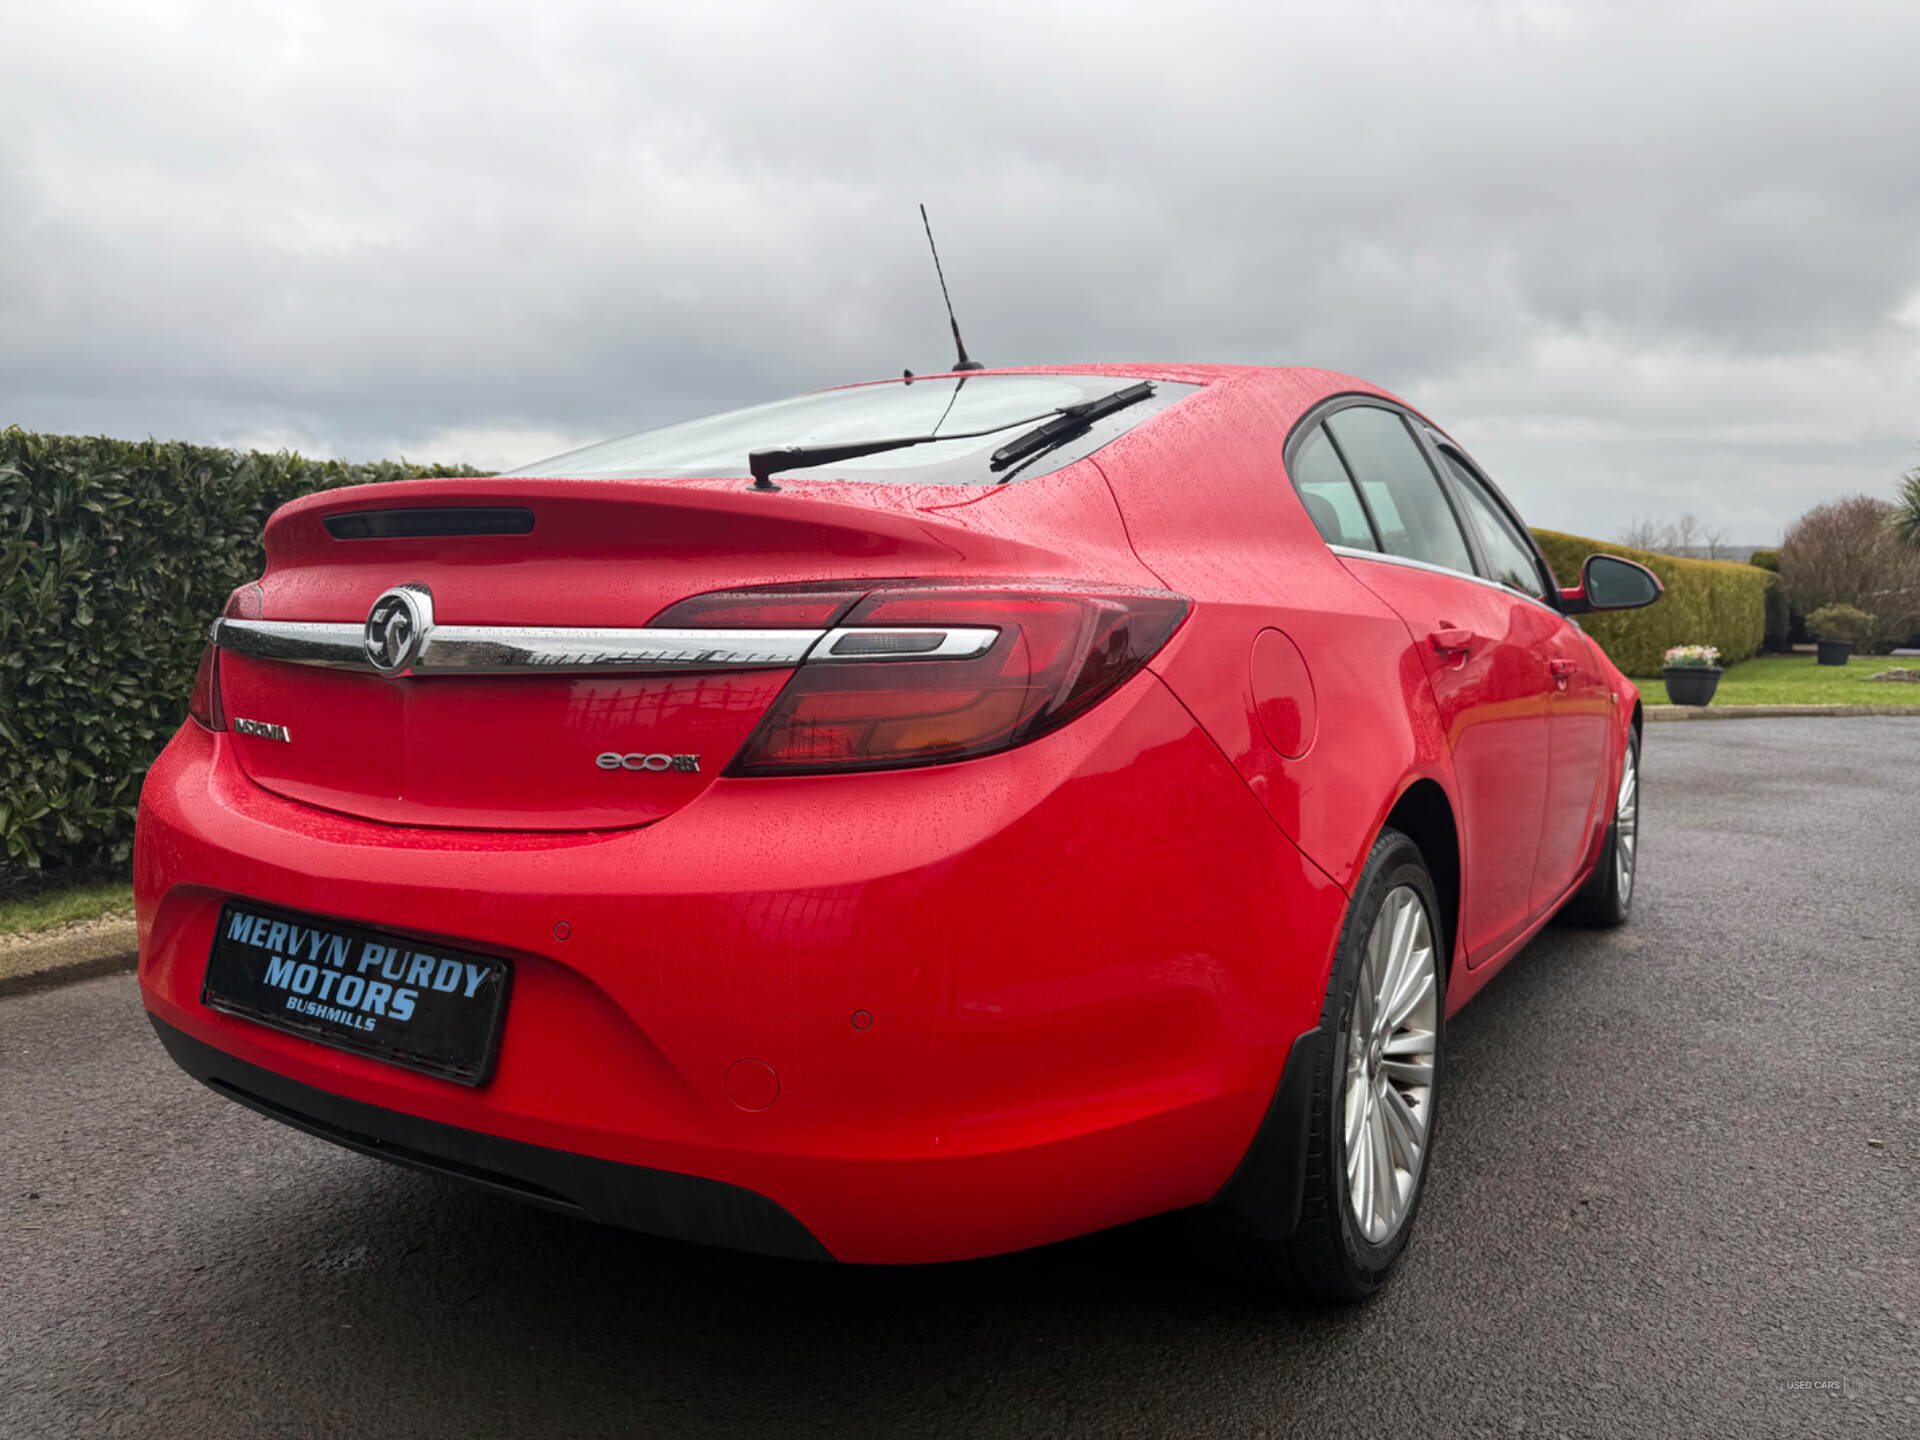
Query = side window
x=1328 y=494
x=1401 y=489
x=1506 y=550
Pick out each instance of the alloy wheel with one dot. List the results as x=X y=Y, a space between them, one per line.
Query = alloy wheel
x=1626 y=827
x=1390 y=1064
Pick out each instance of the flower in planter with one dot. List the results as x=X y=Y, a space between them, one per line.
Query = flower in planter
x=1691 y=657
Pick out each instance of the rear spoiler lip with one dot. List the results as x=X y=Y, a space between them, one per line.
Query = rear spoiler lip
x=299 y=530
x=617 y=552
x=719 y=492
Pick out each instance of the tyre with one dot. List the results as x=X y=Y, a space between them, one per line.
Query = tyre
x=1606 y=899
x=1370 y=1113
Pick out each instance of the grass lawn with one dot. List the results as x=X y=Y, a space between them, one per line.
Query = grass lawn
x=1797 y=680
x=59 y=907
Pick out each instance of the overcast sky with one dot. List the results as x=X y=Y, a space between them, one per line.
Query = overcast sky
x=1641 y=258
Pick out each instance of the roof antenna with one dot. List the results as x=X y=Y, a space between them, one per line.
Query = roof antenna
x=964 y=363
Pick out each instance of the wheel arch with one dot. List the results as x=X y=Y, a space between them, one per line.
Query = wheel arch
x=1266 y=1194
x=1424 y=814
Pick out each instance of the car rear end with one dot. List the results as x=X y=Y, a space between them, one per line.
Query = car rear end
x=822 y=873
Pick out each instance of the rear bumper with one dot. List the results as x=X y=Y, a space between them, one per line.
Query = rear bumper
x=1007 y=1001
x=683 y=1207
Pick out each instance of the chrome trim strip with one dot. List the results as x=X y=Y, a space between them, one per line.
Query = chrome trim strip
x=302 y=643
x=518 y=649
x=507 y=649
x=954 y=642
x=1354 y=554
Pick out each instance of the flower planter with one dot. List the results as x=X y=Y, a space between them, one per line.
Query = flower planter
x=1691 y=684
x=1835 y=652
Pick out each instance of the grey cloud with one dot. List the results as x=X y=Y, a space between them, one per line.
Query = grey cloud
x=1660 y=249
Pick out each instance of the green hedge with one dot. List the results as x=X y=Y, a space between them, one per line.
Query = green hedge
x=1779 y=637
x=1708 y=602
x=114 y=555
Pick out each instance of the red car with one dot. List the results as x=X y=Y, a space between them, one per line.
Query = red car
x=1034 y=800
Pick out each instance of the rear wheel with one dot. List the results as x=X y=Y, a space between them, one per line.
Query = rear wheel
x=1371 y=1116
x=1606 y=899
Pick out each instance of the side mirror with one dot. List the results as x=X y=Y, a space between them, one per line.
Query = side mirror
x=1609 y=583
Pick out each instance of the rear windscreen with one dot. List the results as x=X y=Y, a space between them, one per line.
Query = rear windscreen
x=1006 y=405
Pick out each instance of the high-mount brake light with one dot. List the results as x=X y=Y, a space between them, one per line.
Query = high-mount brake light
x=1053 y=655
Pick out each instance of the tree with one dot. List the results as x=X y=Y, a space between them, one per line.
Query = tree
x=1685 y=536
x=1845 y=553
x=1644 y=533
x=1906 y=510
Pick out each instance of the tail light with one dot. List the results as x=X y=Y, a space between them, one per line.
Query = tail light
x=204 y=704
x=246 y=603
x=922 y=674
x=767 y=607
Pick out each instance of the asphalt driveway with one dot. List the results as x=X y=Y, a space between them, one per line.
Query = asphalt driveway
x=1675 y=1193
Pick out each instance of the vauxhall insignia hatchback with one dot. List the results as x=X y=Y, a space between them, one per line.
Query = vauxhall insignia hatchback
x=914 y=821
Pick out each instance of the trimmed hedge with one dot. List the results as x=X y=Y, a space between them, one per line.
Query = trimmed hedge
x=1779 y=617
x=1708 y=602
x=114 y=556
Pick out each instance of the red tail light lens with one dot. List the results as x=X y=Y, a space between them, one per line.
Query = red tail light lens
x=245 y=603
x=1055 y=655
x=772 y=607
x=204 y=704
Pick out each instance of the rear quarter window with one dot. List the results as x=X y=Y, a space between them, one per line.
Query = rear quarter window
x=1326 y=490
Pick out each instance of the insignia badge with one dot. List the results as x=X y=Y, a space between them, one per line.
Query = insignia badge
x=263 y=729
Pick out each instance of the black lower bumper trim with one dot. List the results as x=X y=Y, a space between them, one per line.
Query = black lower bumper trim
x=660 y=1202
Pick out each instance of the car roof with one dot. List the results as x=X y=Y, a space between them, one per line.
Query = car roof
x=1298 y=387
x=1181 y=372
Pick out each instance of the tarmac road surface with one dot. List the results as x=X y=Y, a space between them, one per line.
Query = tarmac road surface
x=1675 y=1193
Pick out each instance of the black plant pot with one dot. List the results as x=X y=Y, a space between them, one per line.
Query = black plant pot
x=1835 y=652
x=1691 y=684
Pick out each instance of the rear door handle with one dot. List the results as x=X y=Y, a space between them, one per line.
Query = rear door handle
x=1450 y=640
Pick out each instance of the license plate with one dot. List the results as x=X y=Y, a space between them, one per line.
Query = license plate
x=413 y=1003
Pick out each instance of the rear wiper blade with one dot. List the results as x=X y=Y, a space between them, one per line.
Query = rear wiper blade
x=1055 y=428
x=1068 y=423
x=764 y=463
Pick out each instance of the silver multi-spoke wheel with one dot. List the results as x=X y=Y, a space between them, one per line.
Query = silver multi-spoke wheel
x=1390 y=1055
x=1355 y=1113
x=1626 y=827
